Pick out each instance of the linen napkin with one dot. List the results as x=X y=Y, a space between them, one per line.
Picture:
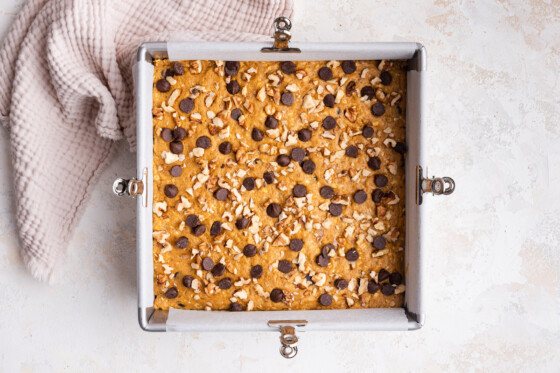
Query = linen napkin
x=66 y=96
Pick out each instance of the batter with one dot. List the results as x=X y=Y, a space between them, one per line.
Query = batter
x=278 y=185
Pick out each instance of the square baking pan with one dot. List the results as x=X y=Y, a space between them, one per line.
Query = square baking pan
x=409 y=317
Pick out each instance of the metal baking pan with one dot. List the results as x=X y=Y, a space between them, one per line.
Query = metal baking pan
x=411 y=316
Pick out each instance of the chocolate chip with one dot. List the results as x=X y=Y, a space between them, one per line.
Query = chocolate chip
x=224 y=283
x=374 y=163
x=284 y=266
x=350 y=88
x=296 y=244
x=249 y=183
x=326 y=192
x=400 y=147
x=273 y=210
x=304 y=134
x=368 y=132
x=225 y=147
x=166 y=134
x=192 y=221
x=257 y=134
x=325 y=73
x=395 y=278
x=325 y=299
x=163 y=85
x=297 y=154
x=352 y=255
x=326 y=249
x=269 y=177
x=322 y=260
x=207 y=264
x=299 y=190
x=256 y=271
x=352 y=151
x=380 y=180
x=340 y=283
x=276 y=295
x=376 y=195
x=182 y=242
x=199 y=230
x=218 y=270
x=176 y=171
x=236 y=113
x=221 y=194
x=329 y=123
x=176 y=147
x=283 y=160
x=378 y=109
x=383 y=275
x=170 y=190
x=372 y=287
x=387 y=289
x=308 y=166
x=271 y=122
x=179 y=133
x=178 y=68
x=250 y=250
x=385 y=77
x=242 y=223
x=335 y=209
x=186 y=105
x=233 y=87
x=379 y=243
x=235 y=307
x=216 y=228
x=231 y=68
x=287 y=98
x=187 y=281
x=288 y=67
x=328 y=100
x=348 y=67
x=360 y=196
x=367 y=91
x=203 y=142
x=167 y=72
x=172 y=293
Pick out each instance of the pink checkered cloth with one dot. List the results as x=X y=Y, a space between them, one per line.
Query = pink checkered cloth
x=66 y=96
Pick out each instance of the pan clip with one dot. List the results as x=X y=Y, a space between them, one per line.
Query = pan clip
x=288 y=338
x=132 y=187
x=282 y=35
x=436 y=185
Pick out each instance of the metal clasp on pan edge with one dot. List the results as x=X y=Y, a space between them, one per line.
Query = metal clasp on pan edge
x=288 y=338
x=436 y=185
x=132 y=187
x=282 y=35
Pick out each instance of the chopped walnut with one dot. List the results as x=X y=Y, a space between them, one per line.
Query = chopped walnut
x=281 y=240
x=241 y=156
x=209 y=99
x=195 y=67
x=351 y=114
x=159 y=208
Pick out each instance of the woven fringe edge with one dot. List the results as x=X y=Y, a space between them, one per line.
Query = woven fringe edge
x=38 y=268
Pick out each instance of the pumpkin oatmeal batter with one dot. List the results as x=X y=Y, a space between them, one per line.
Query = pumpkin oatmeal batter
x=278 y=185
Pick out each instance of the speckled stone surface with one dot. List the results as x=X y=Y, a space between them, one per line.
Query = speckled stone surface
x=493 y=293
